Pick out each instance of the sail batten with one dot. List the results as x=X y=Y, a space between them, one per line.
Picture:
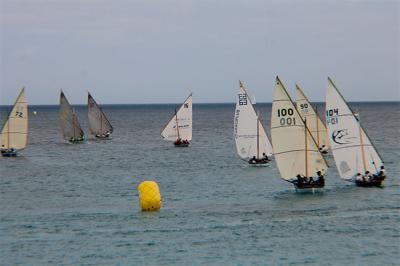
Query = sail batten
x=250 y=135
x=295 y=149
x=352 y=149
x=180 y=125
x=98 y=122
x=69 y=123
x=14 y=133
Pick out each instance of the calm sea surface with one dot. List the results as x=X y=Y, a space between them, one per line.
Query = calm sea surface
x=73 y=204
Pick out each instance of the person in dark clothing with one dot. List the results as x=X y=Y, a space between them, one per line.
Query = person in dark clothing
x=320 y=179
x=253 y=160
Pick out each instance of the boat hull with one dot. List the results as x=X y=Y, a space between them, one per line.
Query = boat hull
x=8 y=153
x=181 y=145
x=371 y=183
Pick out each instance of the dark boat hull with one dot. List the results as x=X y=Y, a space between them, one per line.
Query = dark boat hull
x=181 y=145
x=372 y=183
x=9 y=154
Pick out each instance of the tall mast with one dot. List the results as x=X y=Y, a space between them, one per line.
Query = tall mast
x=362 y=148
x=306 y=155
x=258 y=137
x=177 y=126
x=316 y=120
x=8 y=134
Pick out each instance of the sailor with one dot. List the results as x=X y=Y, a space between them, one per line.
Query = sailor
x=311 y=180
x=320 y=179
x=381 y=173
x=367 y=176
x=265 y=157
x=359 y=177
x=299 y=179
x=253 y=160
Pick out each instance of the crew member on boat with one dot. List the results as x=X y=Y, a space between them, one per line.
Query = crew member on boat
x=253 y=160
x=265 y=157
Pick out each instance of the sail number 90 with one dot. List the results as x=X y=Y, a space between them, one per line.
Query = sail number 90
x=286 y=120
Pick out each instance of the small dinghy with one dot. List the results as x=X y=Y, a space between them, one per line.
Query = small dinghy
x=99 y=125
x=314 y=123
x=70 y=127
x=357 y=159
x=179 y=128
x=14 y=134
x=296 y=153
x=252 y=143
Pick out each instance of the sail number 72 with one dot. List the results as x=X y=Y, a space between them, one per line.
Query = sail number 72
x=286 y=117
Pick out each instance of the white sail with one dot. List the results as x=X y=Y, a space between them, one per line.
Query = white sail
x=314 y=123
x=98 y=122
x=14 y=133
x=180 y=125
x=250 y=135
x=351 y=147
x=295 y=150
x=70 y=126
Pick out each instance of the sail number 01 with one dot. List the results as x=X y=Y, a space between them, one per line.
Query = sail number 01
x=286 y=120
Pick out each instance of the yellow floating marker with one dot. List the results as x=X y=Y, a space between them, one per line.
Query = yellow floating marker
x=149 y=196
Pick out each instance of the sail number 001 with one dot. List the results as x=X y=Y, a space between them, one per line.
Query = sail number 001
x=286 y=120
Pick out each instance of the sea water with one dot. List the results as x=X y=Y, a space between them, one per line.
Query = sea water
x=68 y=204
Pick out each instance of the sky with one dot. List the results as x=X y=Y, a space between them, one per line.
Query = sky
x=158 y=51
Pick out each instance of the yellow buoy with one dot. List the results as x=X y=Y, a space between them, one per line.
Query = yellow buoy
x=149 y=196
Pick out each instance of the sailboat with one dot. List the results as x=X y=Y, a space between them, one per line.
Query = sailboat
x=70 y=127
x=314 y=123
x=99 y=125
x=252 y=143
x=179 y=128
x=357 y=159
x=296 y=153
x=14 y=134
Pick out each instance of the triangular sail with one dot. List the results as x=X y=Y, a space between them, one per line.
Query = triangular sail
x=314 y=123
x=98 y=122
x=70 y=126
x=295 y=150
x=250 y=135
x=352 y=149
x=14 y=133
x=180 y=124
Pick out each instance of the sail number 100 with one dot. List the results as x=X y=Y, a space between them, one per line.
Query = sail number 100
x=286 y=117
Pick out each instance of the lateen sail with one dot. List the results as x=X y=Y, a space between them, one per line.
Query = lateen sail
x=15 y=130
x=351 y=147
x=295 y=150
x=98 y=122
x=247 y=131
x=314 y=123
x=182 y=119
x=70 y=126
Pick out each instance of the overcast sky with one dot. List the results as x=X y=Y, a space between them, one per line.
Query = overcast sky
x=157 y=51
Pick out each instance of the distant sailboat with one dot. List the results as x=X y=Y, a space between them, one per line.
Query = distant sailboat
x=356 y=157
x=296 y=153
x=14 y=134
x=314 y=123
x=252 y=143
x=179 y=128
x=70 y=127
x=99 y=125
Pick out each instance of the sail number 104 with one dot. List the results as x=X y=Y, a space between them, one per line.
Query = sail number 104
x=332 y=116
x=286 y=117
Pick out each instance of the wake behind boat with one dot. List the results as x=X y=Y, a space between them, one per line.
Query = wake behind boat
x=252 y=143
x=357 y=159
x=70 y=127
x=14 y=134
x=99 y=125
x=179 y=128
x=296 y=153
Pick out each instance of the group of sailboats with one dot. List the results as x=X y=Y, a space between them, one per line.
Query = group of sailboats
x=99 y=125
x=300 y=139
x=71 y=129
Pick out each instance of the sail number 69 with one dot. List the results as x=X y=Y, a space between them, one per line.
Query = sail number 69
x=286 y=120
